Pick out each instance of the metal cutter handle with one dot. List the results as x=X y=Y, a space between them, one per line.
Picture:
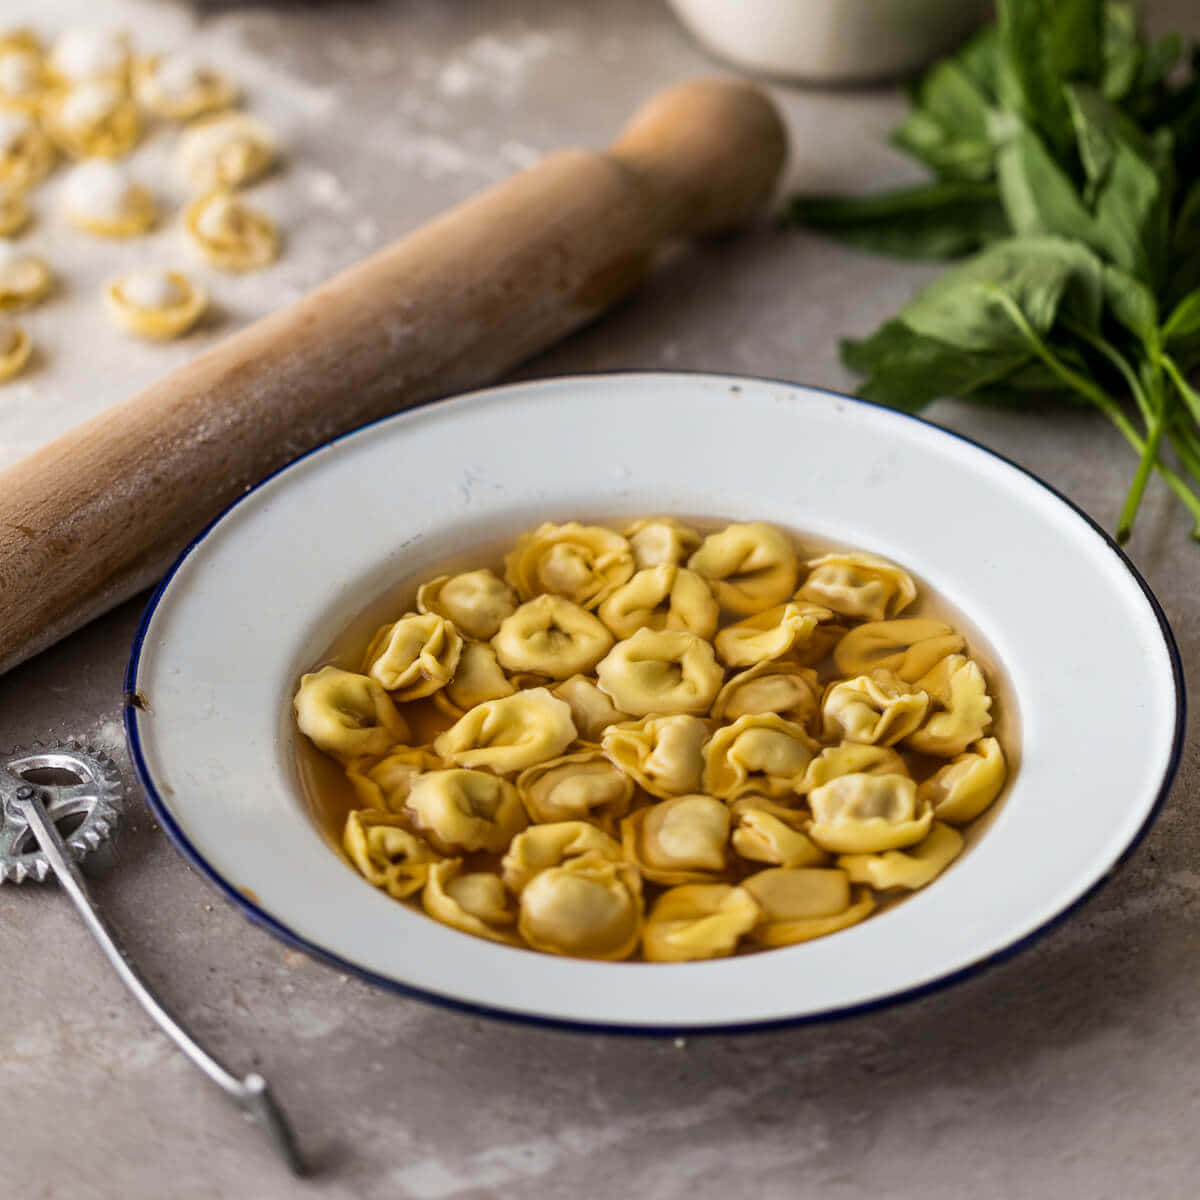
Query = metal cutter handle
x=252 y=1093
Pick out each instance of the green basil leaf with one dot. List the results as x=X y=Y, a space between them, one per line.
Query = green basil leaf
x=942 y=149
x=1186 y=235
x=908 y=371
x=944 y=219
x=1132 y=304
x=1038 y=195
x=966 y=307
x=1121 y=50
x=1184 y=321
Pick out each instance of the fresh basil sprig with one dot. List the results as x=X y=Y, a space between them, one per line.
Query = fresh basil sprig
x=1065 y=153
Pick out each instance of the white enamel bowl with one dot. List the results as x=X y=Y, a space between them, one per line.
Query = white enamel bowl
x=258 y=596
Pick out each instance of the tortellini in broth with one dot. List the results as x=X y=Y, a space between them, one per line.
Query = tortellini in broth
x=659 y=740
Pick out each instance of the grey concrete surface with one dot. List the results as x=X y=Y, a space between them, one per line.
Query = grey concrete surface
x=1072 y=1070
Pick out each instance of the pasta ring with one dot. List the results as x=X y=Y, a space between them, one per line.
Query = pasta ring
x=155 y=304
x=95 y=119
x=231 y=235
x=15 y=349
x=14 y=212
x=24 y=280
x=226 y=151
x=100 y=198
x=27 y=155
x=176 y=88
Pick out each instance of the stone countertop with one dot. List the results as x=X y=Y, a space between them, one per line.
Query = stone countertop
x=1069 y=1070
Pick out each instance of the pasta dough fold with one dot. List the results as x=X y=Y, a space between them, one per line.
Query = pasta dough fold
x=961 y=707
x=799 y=904
x=584 y=563
x=550 y=635
x=911 y=868
x=460 y=811
x=347 y=715
x=698 y=921
x=577 y=787
x=909 y=647
x=681 y=840
x=476 y=601
x=860 y=586
x=589 y=907
x=800 y=632
x=663 y=672
x=389 y=855
x=762 y=753
x=750 y=567
x=415 y=656
x=784 y=688
x=878 y=709
x=866 y=814
x=509 y=734
x=541 y=847
x=476 y=901
x=661 y=541
x=663 y=755
x=966 y=786
x=662 y=597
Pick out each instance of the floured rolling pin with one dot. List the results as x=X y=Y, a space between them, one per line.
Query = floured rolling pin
x=101 y=512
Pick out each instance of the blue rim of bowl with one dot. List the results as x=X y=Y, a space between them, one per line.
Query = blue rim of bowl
x=260 y=917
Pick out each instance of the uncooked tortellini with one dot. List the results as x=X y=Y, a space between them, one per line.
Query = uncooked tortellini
x=751 y=567
x=663 y=671
x=552 y=636
x=387 y=853
x=414 y=656
x=94 y=119
x=347 y=715
x=27 y=155
x=878 y=709
x=659 y=541
x=966 y=786
x=226 y=152
x=761 y=753
x=474 y=901
x=230 y=235
x=590 y=907
x=963 y=707
x=860 y=586
x=584 y=563
x=510 y=734
x=458 y=811
x=24 y=278
x=15 y=348
x=681 y=840
x=662 y=597
x=100 y=198
x=476 y=601
x=581 y=786
x=24 y=79
x=14 y=212
x=178 y=88
x=698 y=921
x=911 y=868
x=865 y=814
x=909 y=648
x=799 y=904
x=155 y=304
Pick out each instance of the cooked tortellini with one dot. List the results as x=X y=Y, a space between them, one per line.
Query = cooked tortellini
x=544 y=846
x=698 y=921
x=580 y=786
x=24 y=278
x=751 y=567
x=16 y=346
x=962 y=707
x=966 y=786
x=584 y=563
x=414 y=656
x=864 y=814
x=911 y=868
x=649 y=743
x=155 y=304
x=474 y=901
x=458 y=810
x=909 y=648
x=550 y=635
x=878 y=709
x=663 y=755
x=758 y=753
x=661 y=671
x=661 y=597
x=509 y=734
x=347 y=715
x=791 y=691
x=102 y=199
x=94 y=119
x=590 y=907
x=801 y=903
x=230 y=235
x=681 y=840
x=661 y=541
x=178 y=88
x=860 y=586
x=27 y=155
x=476 y=601
x=225 y=152
x=592 y=711
x=795 y=631
x=388 y=854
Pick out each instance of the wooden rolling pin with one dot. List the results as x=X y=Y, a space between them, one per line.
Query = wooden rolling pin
x=101 y=512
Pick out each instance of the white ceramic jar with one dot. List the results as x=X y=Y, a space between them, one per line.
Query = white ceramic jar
x=830 y=41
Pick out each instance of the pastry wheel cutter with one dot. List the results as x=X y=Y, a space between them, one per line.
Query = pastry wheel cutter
x=59 y=803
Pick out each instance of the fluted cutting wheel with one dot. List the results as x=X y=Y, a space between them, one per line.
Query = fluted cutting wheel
x=81 y=790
